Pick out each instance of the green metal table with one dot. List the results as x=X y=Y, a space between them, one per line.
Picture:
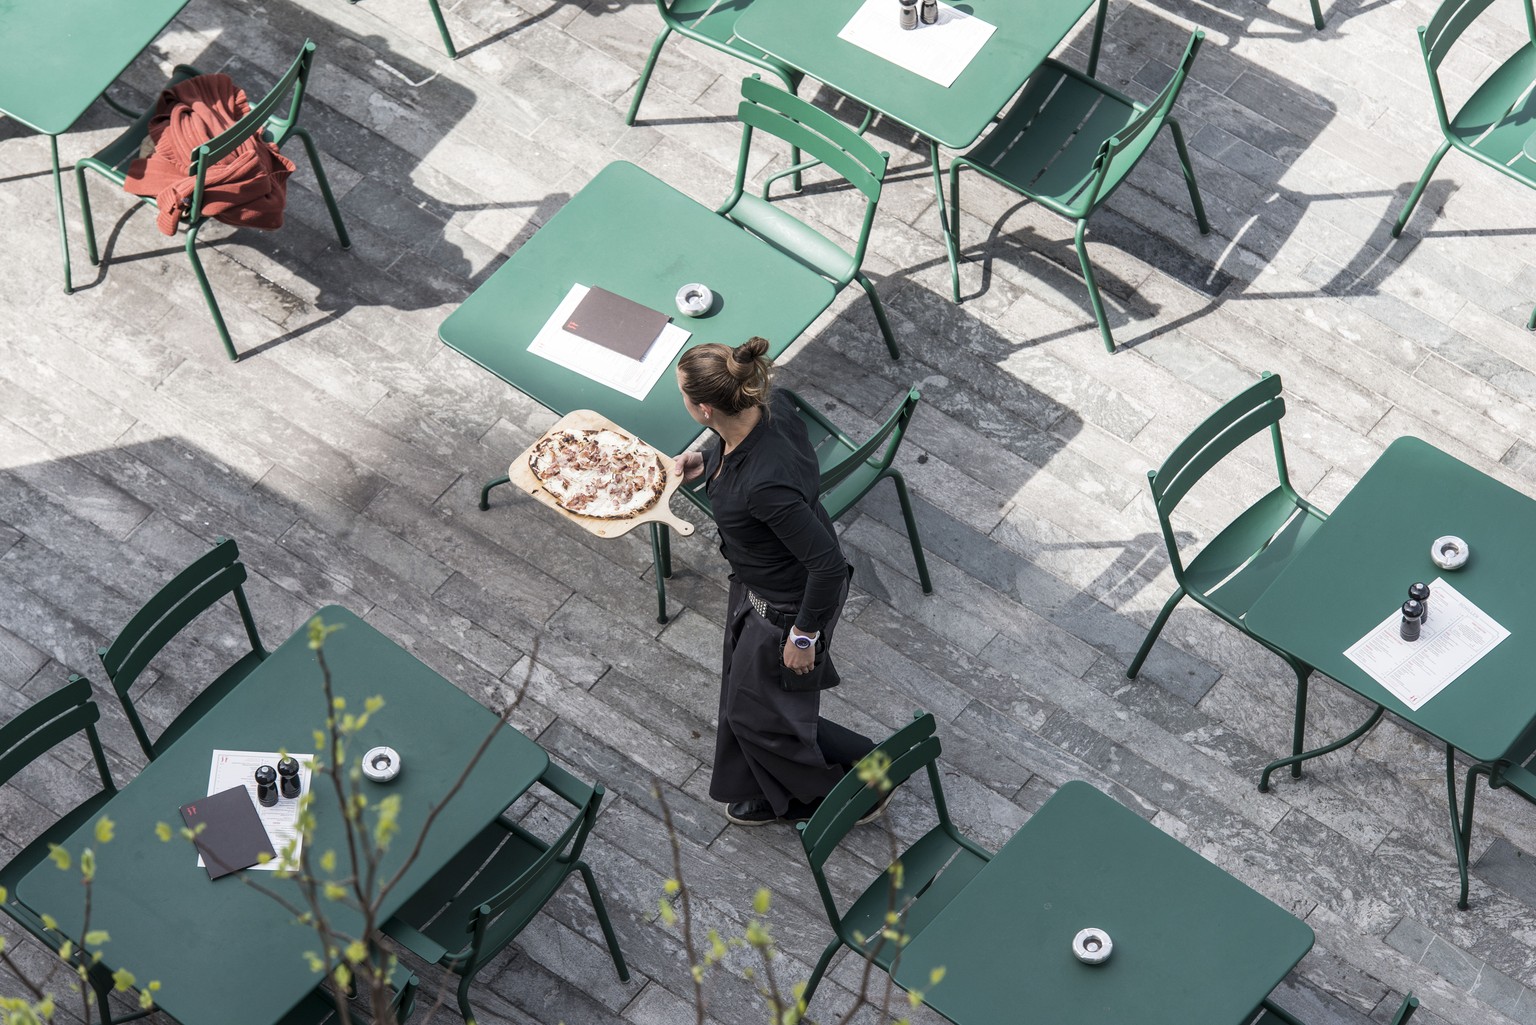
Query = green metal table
x=803 y=34
x=224 y=953
x=58 y=56
x=1190 y=942
x=1357 y=568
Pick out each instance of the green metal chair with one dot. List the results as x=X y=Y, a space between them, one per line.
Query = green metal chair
x=807 y=127
x=930 y=873
x=468 y=913
x=1276 y=1015
x=1516 y=771
x=1494 y=126
x=263 y=121
x=1244 y=558
x=713 y=23
x=188 y=595
x=1067 y=143
x=849 y=470
x=25 y=739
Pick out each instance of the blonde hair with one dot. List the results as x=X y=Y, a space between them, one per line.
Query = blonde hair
x=730 y=380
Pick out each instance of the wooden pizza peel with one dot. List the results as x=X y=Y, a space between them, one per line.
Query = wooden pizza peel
x=521 y=474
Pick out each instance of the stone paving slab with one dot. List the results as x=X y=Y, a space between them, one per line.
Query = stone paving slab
x=345 y=453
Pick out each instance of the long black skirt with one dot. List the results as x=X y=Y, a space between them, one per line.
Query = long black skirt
x=772 y=743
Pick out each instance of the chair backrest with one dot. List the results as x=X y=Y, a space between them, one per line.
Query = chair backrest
x=188 y=595
x=909 y=749
x=290 y=87
x=1121 y=152
x=768 y=108
x=1436 y=40
x=503 y=916
x=878 y=451
x=1257 y=407
x=48 y=723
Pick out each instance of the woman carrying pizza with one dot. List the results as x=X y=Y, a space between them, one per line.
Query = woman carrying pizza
x=775 y=757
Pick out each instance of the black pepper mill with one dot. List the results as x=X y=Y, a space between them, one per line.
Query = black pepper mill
x=288 y=771
x=1419 y=592
x=1413 y=618
x=930 y=12
x=266 y=786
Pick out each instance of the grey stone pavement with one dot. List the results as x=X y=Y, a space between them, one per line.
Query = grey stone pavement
x=344 y=453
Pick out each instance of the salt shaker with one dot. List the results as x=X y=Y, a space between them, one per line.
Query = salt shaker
x=266 y=786
x=909 y=13
x=930 y=12
x=1419 y=592
x=288 y=775
x=1413 y=618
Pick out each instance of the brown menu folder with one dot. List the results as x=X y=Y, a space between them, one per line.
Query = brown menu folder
x=233 y=836
x=616 y=323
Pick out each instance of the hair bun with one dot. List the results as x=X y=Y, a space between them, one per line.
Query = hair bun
x=751 y=350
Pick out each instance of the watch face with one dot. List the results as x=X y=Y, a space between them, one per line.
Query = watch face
x=803 y=642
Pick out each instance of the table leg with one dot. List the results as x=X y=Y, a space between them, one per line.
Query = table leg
x=1098 y=37
x=485 y=492
x=951 y=237
x=1297 y=759
x=58 y=200
x=661 y=560
x=1461 y=825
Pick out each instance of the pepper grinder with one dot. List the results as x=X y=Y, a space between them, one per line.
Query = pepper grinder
x=930 y=12
x=288 y=771
x=1413 y=618
x=909 y=14
x=266 y=786
x=1419 y=592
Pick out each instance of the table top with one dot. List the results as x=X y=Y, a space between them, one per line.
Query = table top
x=633 y=234
x=1190 y=942
x=223 y=952
x=57 y=56
x=1357 y=567
x=803 y=34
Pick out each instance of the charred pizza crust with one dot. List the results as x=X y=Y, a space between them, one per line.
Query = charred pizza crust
x=598 y=472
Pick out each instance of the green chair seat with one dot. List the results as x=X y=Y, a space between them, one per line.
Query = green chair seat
x=794 y=238
x=478 y=903
x=1067 y=143
x=1496 y=122
x=849 y=469
x=263 y=121
x=1237 y=565
x=932 y=870
x=174 y=607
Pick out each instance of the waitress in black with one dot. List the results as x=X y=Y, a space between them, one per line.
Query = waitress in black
x=775 y=757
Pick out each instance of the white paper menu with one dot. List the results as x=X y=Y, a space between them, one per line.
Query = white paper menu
x=238 y=768
x=1456 y=634
x=938 y=52
x=634 y=378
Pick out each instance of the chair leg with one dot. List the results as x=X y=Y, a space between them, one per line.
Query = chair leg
x=661 y=563
x=885 y=325
x=466 y=1011
x=645 y=74
x=442 y=29
x=1098 y=36
x=819 y=971
x=485 y=492
x=954 y=213
x=1530 y=325
x=1418 y=190
x=202 y=282
x=58 y=206
x=325 y=184
x=1461 y=827
x=1405 y=1009
x=1306 y=756
x=912 y=538
x=602 y=921
x=1093 y=288
x=1157 y=628
x=1317 y=14
x=1299 y=723
x=1189 y=177
x=85 y=212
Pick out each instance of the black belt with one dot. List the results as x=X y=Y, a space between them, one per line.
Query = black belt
x=782 y=620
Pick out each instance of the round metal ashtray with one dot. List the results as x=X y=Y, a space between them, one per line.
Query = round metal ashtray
x=1449 y=552
x=381 y=764
x=694 y=300
x=1092 y=946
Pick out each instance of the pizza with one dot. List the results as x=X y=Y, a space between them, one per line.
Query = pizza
x=598 y=472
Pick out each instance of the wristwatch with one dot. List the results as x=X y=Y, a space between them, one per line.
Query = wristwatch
x=802 y=641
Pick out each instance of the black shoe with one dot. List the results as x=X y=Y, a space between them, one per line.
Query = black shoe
x=753 y=812
x=801 y=811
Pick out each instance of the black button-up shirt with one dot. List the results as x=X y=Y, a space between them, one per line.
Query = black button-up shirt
x=773 y=530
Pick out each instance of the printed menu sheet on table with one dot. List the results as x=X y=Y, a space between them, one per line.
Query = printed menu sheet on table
x=633 y=377
x=238 y=768
x=938 y=52
x=1454 y=636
